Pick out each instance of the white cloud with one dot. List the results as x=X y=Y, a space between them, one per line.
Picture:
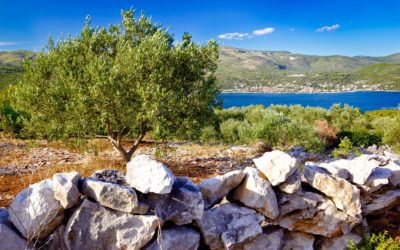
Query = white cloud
x=329 y=28
x=263 y=32
x=292 y=29
x=7 y=43
x=234 y=36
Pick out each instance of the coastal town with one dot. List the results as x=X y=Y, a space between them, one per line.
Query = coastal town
x=290 y=87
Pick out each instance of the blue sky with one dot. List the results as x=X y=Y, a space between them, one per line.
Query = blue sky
x=324 y=27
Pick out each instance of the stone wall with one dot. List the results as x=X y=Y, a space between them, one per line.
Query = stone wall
x=277 y=204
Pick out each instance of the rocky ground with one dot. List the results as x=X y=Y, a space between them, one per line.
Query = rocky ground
x=277 y=202
x=25 y=162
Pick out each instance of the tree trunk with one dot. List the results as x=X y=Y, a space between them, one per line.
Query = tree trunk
x=126 y=155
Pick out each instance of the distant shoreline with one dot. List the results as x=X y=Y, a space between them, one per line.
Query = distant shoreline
x=315 y=92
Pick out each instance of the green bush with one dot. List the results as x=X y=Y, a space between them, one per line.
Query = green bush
x=381 y=241
x=362 y=138
x=392 y=133
x=345 y=148
x=229 y=131
x=209 y=135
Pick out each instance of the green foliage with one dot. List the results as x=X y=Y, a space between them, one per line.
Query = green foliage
x=276 y=128
x=345 y=148
x=362 y=138
x=129 y=78
x=209 y=135
x=392 y=133
x=10 y=118
x=381 y=241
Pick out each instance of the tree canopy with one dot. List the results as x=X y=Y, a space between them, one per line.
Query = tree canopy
x=128 y=79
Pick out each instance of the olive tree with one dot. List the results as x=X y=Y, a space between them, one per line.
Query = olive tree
x=126 y=80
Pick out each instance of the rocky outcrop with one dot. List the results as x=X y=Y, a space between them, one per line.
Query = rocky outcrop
x=313 y=213
x=277 y=166
x=292 y=184
x=9 y=237
x=183 y=205
x=35 y=212
x=147 y=175
x=111 y=195
x=101 y=228
x=216 y=188
x=256 y=192
x=228 y=225
x=382 y=203
x=273 y=206
x=339 y=243
x=176 y=238
x=66 y=190
x=345 y=195
x=266 y=241
x=298 y=240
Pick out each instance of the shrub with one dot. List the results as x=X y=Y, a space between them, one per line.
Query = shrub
x=344 y=149
x=209 y=134
x=362 y=138
x=381 y=241
x=229 y=131
x=392 y=133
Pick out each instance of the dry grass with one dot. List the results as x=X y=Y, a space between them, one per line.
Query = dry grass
x=36 y=160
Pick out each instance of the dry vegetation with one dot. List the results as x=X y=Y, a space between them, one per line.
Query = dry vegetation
x=23 y=162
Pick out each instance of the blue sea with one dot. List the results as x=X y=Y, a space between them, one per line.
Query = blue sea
x=365 y=100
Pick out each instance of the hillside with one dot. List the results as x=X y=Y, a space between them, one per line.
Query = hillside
x=276 y=71
x=10 y=66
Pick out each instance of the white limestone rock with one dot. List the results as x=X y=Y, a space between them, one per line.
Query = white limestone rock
x=256 y=192
x=66 y=190
x=147 y=175
x=35 y=212
x=216 y=188
x=111 y=195
x=229 y=225
x=277 y=166
x=97 y=227
x=345 y=195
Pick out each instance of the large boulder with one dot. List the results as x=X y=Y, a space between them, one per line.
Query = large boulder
x=379 y=177
x=9 y=237
x=266 y=241
x=333 y=168
x=183 y=205
x=359 y=168
x=35 y=212
x=216 y=188
x=94 y=227
x=313 y=213
x=382 y=203
x=277 y=166
x=345 y=195
x=339 y=243
x=298 y=240
x=111 y=195
x=395 y=172
x=229 y=225
x=176 y=238
x=66 y=189
x=292 y=184
x=256 y=192
x=147 y=175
